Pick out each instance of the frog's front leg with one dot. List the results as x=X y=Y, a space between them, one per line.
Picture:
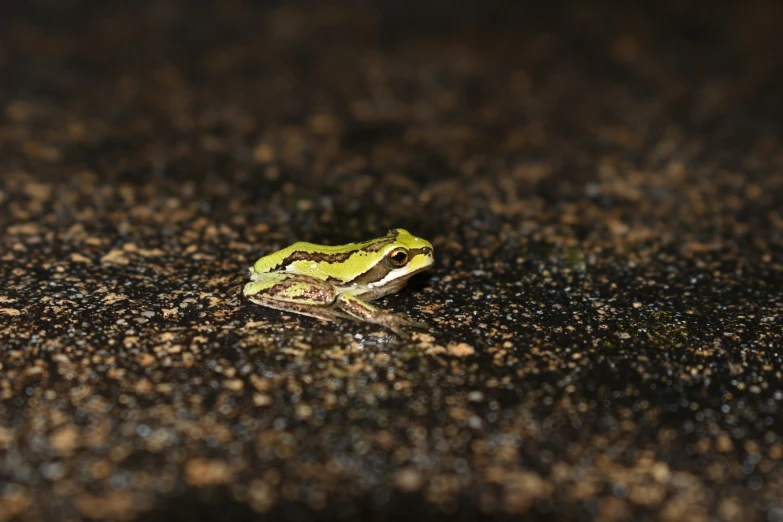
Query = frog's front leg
x=352 y=304
x=295 y=293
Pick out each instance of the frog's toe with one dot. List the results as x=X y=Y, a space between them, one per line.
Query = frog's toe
x=406 y=322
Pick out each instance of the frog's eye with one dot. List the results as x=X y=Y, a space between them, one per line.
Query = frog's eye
x=398 y=257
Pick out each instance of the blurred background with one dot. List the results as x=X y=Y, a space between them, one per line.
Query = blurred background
x=422 y=106
x=603 y=184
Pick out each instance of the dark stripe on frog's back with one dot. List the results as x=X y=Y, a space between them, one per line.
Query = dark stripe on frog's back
x=333 y=257
x=376 y=273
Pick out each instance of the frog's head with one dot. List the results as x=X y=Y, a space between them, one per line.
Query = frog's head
x=407 y=254
x=384 y=264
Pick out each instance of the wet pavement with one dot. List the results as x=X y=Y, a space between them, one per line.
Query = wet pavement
x=602 y=183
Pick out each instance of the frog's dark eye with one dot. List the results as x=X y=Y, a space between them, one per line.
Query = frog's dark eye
x=398 y=257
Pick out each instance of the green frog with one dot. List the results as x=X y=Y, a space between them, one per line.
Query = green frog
x=338 y=282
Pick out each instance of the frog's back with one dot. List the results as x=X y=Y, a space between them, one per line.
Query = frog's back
x=304 y=258
x=341 y=264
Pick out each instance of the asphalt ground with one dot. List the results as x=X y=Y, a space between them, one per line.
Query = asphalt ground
x=603 y=186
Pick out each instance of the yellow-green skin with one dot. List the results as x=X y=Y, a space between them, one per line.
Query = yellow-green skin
x=336 y=282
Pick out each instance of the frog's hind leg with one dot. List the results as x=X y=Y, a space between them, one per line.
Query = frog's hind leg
x=326 y=313
x=296 y=294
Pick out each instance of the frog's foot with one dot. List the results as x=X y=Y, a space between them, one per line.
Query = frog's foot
x=401 y=324
x=363 y=311
x=404 y=321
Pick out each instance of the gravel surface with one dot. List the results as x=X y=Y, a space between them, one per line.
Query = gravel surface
x=603 y=186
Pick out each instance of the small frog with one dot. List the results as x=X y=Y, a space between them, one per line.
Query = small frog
x=337 y=282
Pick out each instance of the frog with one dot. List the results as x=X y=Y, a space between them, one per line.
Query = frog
x=338 y=282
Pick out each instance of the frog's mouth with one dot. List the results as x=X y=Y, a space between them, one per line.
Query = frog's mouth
x=420 y=269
